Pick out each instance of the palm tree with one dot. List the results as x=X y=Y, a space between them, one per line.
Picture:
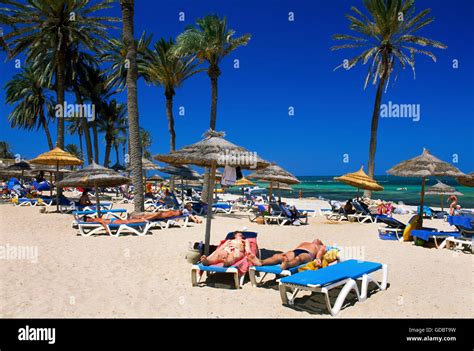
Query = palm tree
x=128 y=9
x=43 y=25
x=116 y=54
x=120 y=139
x=387 y=39
x=73 y=149
x=28 y=91
x=74 y=127
x=5 y=151
x=93 y=88
x=146 y=141
x=169 y=70
x=211 y=41
x=112 y=123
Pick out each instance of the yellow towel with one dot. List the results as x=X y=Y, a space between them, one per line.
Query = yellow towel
x=328 y=258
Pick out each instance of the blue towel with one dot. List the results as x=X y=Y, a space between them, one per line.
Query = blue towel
x=348 y=269
x=275 y=269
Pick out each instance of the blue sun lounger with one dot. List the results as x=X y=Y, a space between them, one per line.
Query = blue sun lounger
x=119 y=213
x=198 y=269
x=256 y=271
x=426 y=235
x=342 y=274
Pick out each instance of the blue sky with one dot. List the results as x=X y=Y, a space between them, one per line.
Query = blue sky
x=290 y=64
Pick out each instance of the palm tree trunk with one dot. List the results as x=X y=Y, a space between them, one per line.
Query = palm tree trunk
x=96 y=141
x=169 y=114
x=108 y=148
x=60 y=87
x=375 y=125
x=80 y=143
x=127 y=7
x=85 y=128
x=213 y=74
x=46 y=129
x=116 y=152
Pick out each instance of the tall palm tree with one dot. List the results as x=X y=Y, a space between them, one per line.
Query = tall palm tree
x=5 y=150
x=112 y=123
x=386 y=36
x=146 y=141
x=211 y=41
x=42 y=25
x=169 y=70
x=28 y=91
x=120 y=139
x=128 y=9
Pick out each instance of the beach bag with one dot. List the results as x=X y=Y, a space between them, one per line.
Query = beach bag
x=413 y=223
x=260 y=220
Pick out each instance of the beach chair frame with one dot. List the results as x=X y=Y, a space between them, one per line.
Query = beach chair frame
x=87 y=229
x=288 y=292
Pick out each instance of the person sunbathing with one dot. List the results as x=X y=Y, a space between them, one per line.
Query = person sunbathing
x=304 y=253
x=84 y=199
x=188 y=210
x=232 y=251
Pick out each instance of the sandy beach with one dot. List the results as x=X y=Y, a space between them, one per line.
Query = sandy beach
x=148 y=276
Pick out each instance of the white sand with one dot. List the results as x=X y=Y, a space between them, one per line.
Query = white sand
x=148 y=276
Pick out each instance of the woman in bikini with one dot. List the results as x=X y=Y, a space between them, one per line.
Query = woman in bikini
x=230 y=252
x=304 y=253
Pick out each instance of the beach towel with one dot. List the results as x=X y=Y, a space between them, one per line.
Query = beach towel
x=328 y=258
x=243 y=264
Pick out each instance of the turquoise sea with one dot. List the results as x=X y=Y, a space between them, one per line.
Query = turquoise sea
x=395 y=189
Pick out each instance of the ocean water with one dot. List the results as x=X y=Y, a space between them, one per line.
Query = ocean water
x=395 y=189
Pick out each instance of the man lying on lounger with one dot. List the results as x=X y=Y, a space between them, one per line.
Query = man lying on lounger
x=304 y=253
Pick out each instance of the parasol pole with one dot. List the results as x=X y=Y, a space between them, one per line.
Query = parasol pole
x=182 y=191
x=210 y=196
x=97 y=200
x=422 y=200
x=271 y=190
x=57 y=189
x=51 y=185
x=441 y=200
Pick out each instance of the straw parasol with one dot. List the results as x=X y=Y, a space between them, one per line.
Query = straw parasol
x=423 y=166
x=442 y=189
x=466 y=180
x=21 y=166
x=244 y=182
x=213 y=151
x=274 y=174
x=94 y=175
x=57 y=157
x=155 y=178
x=118 y=167
x=279 y=186
x=183 y=172
x=360 y=180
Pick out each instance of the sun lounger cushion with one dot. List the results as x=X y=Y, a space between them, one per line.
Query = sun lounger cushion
x=427 y=234
x=351 y=269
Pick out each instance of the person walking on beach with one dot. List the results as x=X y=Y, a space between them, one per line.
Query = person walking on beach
x=304 y=253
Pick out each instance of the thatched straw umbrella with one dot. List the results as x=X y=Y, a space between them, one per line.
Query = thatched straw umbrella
x=94 y=176
x=213 y=151
x=274 y=174
x=21 y=166
x=57 y=157
x=442 y=189
x=118 y=167
x=244 y=182
x=360 y=180
x=155 y=178
x=467 y=180
x=182 y=172
x=423 y=166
